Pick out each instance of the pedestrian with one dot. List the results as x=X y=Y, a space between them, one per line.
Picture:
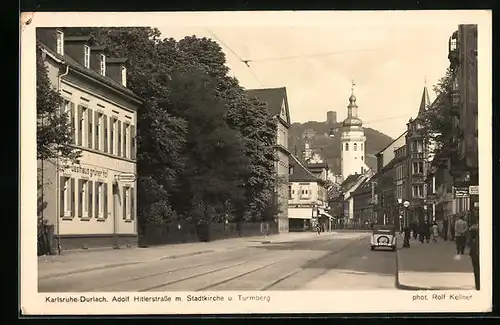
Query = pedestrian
x=421 y=231
x=435 y=232
x=427 y=231
x=460 y=235
x=474 y=255
x=318 y=229
x=452 y=230
x=445 y=229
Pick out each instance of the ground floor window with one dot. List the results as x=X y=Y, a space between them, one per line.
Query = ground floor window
x=128 y=204
x=67 y=197
x=101 y=200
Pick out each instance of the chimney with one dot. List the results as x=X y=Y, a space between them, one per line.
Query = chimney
x=78 y=48
x=116 y=69
x=98 y=59
x=51 y=37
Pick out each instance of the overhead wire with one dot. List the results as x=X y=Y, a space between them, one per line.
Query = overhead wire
x=237 y=56
x=310 y=55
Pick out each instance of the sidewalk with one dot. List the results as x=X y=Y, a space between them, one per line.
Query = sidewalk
x=82 y=261
x=432 y=266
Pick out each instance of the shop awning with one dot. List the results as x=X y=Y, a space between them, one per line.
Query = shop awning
x=326 y=215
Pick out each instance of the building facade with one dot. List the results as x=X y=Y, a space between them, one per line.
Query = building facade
x=363 y=204
x=277 y=104
x=464 y=167
x=352 y=142
x=307 y=199
x=89 y=203
x=417 y=164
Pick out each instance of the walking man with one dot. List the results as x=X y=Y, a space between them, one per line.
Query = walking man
x=460 y=235
x=445 y=229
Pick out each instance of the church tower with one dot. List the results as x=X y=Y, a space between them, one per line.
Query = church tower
x=352 y=141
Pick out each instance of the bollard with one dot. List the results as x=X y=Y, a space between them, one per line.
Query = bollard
x=406 y=242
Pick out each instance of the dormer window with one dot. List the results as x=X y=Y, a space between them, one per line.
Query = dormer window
x=103 y=64
x=60 y=42
x=124 y=76
x=86 y=57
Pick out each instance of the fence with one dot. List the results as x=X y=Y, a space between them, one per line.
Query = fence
x=188 y=233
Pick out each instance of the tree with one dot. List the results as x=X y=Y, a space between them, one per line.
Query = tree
x=439 y=118
x=54 y=131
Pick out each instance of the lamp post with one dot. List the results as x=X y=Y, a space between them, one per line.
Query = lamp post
x=406 y=242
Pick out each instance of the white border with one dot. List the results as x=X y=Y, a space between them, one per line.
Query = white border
x=281 y=302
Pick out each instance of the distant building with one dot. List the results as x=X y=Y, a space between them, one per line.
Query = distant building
x=352 y=142
x=307 y=197
x=87 y=202
x=277 y=104
x=348 y=187
x=331 y=117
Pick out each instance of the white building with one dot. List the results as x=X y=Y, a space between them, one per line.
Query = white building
x=352 y=142
x=87 y=202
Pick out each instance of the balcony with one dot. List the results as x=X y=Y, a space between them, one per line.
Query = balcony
x=417 y=155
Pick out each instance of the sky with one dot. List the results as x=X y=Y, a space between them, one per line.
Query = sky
x=389 y=64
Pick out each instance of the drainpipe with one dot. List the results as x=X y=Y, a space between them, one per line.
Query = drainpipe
x=58 y=185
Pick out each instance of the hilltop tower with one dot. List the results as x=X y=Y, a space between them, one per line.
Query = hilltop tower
x=352 y=141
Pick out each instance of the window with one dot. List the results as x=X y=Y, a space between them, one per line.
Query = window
x=83 y=198
x=399 y=192
x=124 y=76
x=81 y=128
x=67 y=202
x=112 y=144
x=418 y=146
x=418 y=191
x=98 y=131
x=128 y=203
x=60 y=43
x=355 y=147
x=126 y=137
x=90 y=140
x=86 y=57
x=103 y=65
x=362 y=158
x=418 y=167
x=361 y=148
x=101 y=200
x=105 y=142
x=347 y=147
x=289 y=192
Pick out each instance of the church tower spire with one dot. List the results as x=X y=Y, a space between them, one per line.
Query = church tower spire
x=352 y=141
x=424 y=102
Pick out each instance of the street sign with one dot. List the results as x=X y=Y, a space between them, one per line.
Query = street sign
x=461 y=192
x=126 y=177
x=474 y=190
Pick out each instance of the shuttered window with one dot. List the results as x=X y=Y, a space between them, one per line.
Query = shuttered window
x=126 y=135
x=119 y=138
x=132 y=142
x=105 y=200
x=90 y=133
x=98 y=131
x=105 y=135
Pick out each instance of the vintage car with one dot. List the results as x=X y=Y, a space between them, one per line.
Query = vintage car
x=383 y=236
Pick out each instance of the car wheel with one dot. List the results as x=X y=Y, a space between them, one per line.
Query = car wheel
x=372 y=248
x=393 y=249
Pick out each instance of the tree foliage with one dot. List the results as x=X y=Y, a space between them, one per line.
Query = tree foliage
x=439 y=118
x=205 y=150
x=54 y=131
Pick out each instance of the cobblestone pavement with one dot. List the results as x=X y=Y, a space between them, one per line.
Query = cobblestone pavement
x=296 y=262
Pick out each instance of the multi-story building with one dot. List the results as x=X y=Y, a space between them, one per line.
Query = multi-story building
x=88 y=202
x=464 y=163
x=390 y=174
x=307 y=198
x=363 y=203
x=417 y=164
x=277 y=104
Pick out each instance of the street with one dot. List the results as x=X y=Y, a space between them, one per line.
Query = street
x=339 y=261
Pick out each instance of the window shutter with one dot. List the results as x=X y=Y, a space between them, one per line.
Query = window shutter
x=124 y=203
x=89 y=129
x=97 y=201
x=105 y=200
x=90 y=188
x=98 y=134
x=72 y=193
x=124 y=152
x=72 y=122
x=61 y=191
x=132 y=203
x=119 y=138
x=79 y=121
x=132 y=142
x=80 y=195
x=105 y=135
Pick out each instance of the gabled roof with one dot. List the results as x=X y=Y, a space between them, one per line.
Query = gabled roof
x=301 y=173
x=351 y=179
x=274 y=97
x=392 y=142
x=89 y=72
